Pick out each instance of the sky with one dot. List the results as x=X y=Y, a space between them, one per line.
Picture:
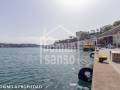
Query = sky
x=26 y=21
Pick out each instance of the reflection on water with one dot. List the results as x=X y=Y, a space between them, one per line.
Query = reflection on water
x=22 y=66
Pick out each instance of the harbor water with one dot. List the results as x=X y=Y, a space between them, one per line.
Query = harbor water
x=23 y=66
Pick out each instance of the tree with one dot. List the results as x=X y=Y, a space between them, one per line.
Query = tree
x=97 y=30
x=106 y=28
x=116 y=23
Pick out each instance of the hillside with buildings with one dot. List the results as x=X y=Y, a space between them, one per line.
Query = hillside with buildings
x=106 y=35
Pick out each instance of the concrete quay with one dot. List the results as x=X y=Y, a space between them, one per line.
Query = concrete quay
x=106 y=75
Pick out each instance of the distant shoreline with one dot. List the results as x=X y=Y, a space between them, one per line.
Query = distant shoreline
x=4 y=45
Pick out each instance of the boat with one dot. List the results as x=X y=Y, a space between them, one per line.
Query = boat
x=88 y=45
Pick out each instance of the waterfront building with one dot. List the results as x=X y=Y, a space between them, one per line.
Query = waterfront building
x=116 y=39
x=111 y=37
x=82 y=35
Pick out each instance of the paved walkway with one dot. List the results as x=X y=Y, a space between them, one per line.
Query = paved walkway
x=105 y=77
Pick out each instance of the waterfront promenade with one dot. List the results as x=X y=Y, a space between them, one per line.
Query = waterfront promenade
x=105 y=75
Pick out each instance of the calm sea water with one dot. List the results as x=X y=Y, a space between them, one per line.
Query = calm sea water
x=22 y=66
